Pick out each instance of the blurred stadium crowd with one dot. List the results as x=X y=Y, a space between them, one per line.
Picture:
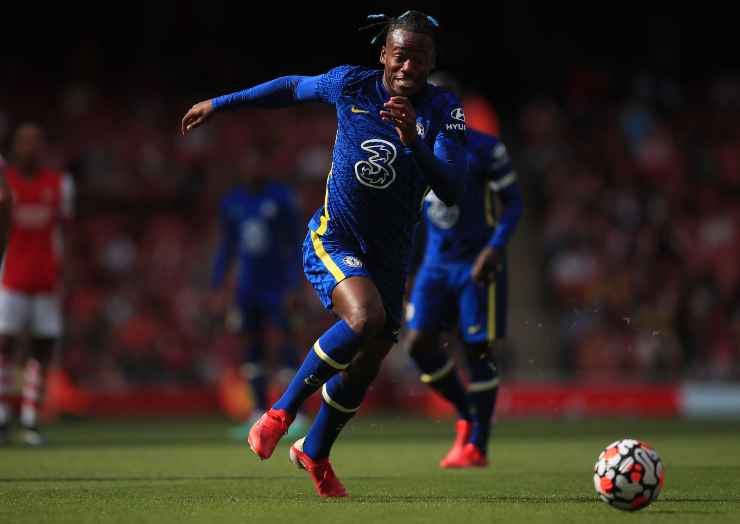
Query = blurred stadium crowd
x=637 y=198
x=633 y=202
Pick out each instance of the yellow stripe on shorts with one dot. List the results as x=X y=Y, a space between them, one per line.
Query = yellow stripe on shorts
x=325 y=258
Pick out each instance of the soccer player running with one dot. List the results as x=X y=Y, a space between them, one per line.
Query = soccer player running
x=396 y=137
x=30 y=275
x=259 y=225
x=464 y=270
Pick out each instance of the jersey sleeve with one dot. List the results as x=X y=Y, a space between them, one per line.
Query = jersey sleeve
x=445 y=169
x=288 y=90
x=502 y=180
x=449 y=145
x=329 y=85
x=500 y=170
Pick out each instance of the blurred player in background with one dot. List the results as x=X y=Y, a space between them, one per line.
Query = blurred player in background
x=463 y=277
x=396 y=137
x=30 y=277
x=259 y=226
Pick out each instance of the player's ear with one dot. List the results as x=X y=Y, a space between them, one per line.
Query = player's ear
x=382 y=55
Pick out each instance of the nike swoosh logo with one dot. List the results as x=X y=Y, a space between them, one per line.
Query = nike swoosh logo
x=474 y=329
x=356 y=109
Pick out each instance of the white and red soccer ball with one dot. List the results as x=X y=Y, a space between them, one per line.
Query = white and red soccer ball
x=628 y=475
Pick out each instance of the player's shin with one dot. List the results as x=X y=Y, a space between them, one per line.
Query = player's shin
x=439 y=373
x=341 y=400
x=482 y=392
x=33 y=384
x=34 y=381
x=331 y=353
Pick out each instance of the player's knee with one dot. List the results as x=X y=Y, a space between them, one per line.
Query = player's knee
x=367 y=320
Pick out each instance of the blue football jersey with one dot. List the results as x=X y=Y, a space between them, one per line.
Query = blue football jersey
x=376 y=187
x=262 y=229
x=458 y=233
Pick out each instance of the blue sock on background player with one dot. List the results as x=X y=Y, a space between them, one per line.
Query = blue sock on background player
x=288 y=357
x=255 y=374
x=482 y=392
x=254 y=370
x=288 y=363
x=331 y=353
x=439 y=372
x=341 y=401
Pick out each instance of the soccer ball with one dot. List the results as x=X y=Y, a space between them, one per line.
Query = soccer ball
x=628 y=475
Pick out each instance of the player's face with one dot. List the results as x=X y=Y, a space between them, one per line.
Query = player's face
x=28 y=145
x=408 y=59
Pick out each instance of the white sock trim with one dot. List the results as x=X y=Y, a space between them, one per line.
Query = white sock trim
x=333 y=404
x=326 y=358
x=477 y=387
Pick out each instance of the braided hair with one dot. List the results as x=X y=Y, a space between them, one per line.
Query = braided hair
x=413 y=21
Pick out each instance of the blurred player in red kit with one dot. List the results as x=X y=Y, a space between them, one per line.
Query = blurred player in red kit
x=6 y=204
x=30 y=275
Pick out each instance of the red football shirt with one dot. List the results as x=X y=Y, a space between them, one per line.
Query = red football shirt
x=40 y=204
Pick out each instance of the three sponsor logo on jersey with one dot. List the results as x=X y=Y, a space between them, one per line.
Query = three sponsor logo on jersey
x=378 y=171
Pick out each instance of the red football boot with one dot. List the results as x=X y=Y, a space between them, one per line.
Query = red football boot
x=474 y=456
x=470 y=457
x=455 y=454
x=267 y=432
x=324 y=480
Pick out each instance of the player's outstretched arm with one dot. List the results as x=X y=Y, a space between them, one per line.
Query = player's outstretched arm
x=281 y=92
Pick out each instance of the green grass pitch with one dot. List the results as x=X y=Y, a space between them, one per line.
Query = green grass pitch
x=183 y=471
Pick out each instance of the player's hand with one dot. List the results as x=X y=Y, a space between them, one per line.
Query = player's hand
x=197 y=115
x=399 y=111
x=485 y=266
